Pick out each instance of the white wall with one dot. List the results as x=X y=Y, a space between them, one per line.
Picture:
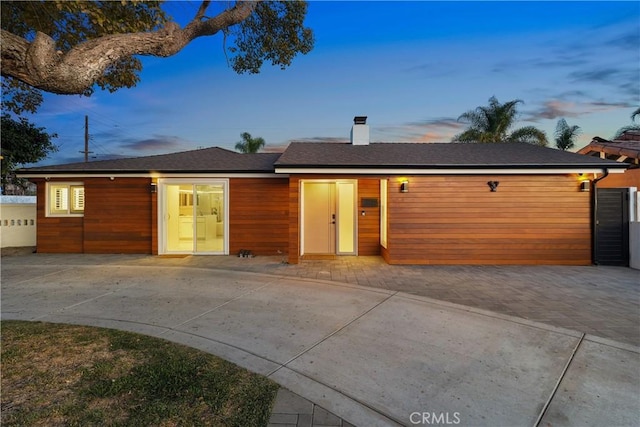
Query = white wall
x=17 y=221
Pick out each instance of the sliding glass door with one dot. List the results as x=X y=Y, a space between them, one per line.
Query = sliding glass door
x=194 y=219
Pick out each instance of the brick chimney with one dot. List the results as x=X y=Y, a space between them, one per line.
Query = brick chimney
x=360 y=131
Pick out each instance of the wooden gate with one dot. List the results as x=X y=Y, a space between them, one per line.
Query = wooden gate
x=612 y=226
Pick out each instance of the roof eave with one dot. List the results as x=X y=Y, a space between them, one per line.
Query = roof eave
x=44 y=173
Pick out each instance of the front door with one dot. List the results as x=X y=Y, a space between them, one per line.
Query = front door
x=194 y=218
x=328 y=218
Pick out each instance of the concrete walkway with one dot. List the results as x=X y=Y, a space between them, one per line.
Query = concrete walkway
x=364 y=355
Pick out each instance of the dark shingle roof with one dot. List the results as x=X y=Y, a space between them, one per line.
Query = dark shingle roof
x=337 y=155
x=432 y=155
x=210 y=160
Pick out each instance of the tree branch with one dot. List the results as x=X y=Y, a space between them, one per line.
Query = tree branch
x=38 y=64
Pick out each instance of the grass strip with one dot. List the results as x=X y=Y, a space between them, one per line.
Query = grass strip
x=56 y=374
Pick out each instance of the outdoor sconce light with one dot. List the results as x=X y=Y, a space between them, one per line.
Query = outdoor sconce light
x=154 y=187
x=111 y=178
x=584 y=185
x=404 y=187
x=493 y=185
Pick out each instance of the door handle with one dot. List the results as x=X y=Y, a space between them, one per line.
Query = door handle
x=333 y=218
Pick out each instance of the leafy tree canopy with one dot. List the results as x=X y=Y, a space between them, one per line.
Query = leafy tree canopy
x=566 y=135
x=249 y=144
x=494 y=122
x=22 y=143
x=69 y=47
x=632 y=126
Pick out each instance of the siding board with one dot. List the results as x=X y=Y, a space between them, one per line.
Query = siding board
x=56 y=234
x=259 y=215
x=457 y=220
x=118 y=216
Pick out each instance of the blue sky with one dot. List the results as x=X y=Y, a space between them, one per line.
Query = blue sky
x=411 y=67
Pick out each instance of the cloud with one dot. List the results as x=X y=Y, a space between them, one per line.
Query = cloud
x=329 y=139
x=569 y=94
x=628 y=41
x=600 y=75
x=624 y=80
x=557 y=60
x=441 y=122
x=155 y=143
x=552 y=109
x=556 y=109
x=439 y=129
x=602 y=105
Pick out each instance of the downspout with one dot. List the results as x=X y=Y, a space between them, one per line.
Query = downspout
x=594 y=218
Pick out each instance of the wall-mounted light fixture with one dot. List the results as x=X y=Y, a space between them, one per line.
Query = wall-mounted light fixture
x=404 y=186
x=584 y=185
x=154 y=187
x=111 y=178
x=493 y=185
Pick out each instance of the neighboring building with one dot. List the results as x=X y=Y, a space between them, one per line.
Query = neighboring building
x=411 y=203
x=617 y=204
x=625 y=149
x=17 y=221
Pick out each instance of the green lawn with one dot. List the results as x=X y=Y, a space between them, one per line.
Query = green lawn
x=54 y=374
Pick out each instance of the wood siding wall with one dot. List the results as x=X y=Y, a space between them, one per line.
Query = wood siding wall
x=458 y=220
x=117 y=219
x=56 y=234
x=117 y=215
x=294 y=220
x=369 y=224
x=259 y=215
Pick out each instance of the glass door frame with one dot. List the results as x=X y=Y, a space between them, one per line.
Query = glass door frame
x=163 y=228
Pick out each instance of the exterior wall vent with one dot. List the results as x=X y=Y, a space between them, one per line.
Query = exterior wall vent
x=360 y=131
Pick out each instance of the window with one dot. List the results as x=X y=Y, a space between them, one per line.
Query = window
x=66 y=199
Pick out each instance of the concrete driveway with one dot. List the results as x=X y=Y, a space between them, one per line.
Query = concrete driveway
x=372 y=356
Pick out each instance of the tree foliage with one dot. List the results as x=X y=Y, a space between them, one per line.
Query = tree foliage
x=249 y=144
x=493 y=123
x=69 y=47
x=632 y=126
x=22 y=143
x=565 y=135
x=18 y=97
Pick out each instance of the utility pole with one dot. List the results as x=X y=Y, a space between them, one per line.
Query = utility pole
x=86 y=139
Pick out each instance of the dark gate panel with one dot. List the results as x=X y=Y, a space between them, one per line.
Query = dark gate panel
x=612 y=226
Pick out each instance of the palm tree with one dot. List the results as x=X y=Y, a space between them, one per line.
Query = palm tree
x=633 y=126
x=492 y=124
x=249 y=144
x=565 y=135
